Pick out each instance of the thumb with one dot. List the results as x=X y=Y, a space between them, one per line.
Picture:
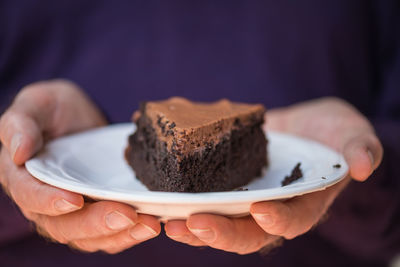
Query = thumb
x=42 y=110
x=20 y=135
x=23 y=124
x=276 y=119
x=364 y=154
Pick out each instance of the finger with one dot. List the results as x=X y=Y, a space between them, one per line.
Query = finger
x=23 y=124
x=276 y=120
x=50 y=108
x=33 y=195
x=102 y=218
x=363 y=153
x=178 y=231
x=295 y=216
x=21 y=136
x=146 y=228
x=240 y=235
x=110 y=244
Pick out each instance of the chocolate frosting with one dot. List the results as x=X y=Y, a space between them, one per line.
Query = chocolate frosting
x=187 y=126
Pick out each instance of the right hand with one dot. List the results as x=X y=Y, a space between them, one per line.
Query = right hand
x=43 y=111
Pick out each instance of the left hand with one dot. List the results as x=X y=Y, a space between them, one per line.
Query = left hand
x=50 y=109
x=331 y=121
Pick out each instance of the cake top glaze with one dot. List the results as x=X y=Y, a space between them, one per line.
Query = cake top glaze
x=188 y=114
x=188 y=125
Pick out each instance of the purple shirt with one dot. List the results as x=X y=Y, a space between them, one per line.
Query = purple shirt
x=273 y=52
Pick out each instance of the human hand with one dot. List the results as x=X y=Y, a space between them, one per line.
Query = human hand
x=328 y=120
x=43 y=111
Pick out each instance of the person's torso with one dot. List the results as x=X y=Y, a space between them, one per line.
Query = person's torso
x=124 y=52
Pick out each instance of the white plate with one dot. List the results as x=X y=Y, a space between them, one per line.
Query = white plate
x=92 y=163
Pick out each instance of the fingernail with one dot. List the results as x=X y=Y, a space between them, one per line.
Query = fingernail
x=264 y=218
x=204 y=234
x=180 y=238
x=118 y=221
x=174 y=236
x=65 y=206
x=142 y=232
x=15 y=143
x=371 y=158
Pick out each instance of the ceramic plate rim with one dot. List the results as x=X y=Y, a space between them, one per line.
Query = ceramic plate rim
x=191 y=198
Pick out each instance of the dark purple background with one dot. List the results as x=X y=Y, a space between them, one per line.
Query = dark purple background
x=274 y=52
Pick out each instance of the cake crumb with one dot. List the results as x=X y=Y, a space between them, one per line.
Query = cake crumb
x=294 y=175
x=241 y=189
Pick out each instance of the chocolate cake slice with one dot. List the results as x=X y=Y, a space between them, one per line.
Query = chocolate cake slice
x=184 y=146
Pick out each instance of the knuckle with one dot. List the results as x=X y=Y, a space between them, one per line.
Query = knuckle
x=44 y=203
x=23 y=193
x=334 y=100
x=59 y=238
x=236 y=243
x=29 y=215
x=39 y=93
x=243 y=247
x=340 y=102
x=374 y=141
x=17 y=194
x=260 y=243
x=112 y=250
x=43 y=232
x=250 y=249
x=240 y=252
x=60 y=229
x=41 y=227
x=291 y=236
x=54 y=231
x=9 y=118
x=3 y=120
x=82 y=246
x=4 y=181
x=249 y=246
x=40 y=87
x=224 y=242
x=116 y=244
x=65 y=84
x=33 y=86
